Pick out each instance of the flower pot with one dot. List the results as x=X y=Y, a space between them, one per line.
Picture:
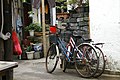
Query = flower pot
x=31 y=32
x=36 y=55
x=30 y=54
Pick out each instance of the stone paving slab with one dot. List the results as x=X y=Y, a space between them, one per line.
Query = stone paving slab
x=35 y=70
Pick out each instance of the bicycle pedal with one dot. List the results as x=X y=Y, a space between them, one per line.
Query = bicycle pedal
x=62 y=57
x=63 y=70
x=72 y=61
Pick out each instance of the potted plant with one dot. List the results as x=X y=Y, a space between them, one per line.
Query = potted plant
x=62 y=6
x=31 y=13
x=33 y=27
x=29 y=52
x=78 y=4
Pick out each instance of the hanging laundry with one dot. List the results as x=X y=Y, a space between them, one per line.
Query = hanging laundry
x=18 y=24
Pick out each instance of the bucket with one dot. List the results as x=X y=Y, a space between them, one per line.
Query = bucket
x=53 y=29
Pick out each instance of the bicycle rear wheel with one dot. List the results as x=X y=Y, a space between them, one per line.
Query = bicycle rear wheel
x=87 y=65
x=101 y=67
x=52 y=58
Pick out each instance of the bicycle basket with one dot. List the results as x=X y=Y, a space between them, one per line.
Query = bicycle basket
x=53 y=29
x=67 y=35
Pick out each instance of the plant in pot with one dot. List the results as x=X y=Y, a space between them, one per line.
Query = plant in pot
x=76 y=4
x=31 y=13
x=33 y=27
x=62 y=5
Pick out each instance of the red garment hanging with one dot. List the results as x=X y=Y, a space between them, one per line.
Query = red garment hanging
x=16 y=45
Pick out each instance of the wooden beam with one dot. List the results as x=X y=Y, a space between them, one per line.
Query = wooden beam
x=1 y=49
x=8 y=43
x=8 y=28
x=43 y=27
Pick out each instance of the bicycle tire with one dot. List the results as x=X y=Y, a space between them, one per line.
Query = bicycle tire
x=52 y=58
x=101 y=67
x=65 y=63
x=87 y=66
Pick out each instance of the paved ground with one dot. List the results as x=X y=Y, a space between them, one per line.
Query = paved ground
x=35 y=70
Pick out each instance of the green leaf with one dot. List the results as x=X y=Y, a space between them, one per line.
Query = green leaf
x=33 y=26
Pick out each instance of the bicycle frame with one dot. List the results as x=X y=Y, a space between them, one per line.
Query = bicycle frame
x=67 y=51
x=71 y=44
x=83 y=56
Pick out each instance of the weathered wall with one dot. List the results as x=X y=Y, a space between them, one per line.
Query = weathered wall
x=105 y=27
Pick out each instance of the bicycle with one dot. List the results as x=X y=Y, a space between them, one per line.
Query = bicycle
x=102 y=60
x=101 y=56
x=83 y=56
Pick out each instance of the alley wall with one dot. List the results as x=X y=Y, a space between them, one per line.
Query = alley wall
x=105 y=27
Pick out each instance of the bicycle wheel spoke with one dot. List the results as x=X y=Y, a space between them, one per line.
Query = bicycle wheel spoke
x=88 y=65
x=51 y=58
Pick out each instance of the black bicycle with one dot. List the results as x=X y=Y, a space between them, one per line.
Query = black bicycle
x=101 y=56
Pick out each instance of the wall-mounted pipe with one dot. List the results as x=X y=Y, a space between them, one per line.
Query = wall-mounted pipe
x=7 y=35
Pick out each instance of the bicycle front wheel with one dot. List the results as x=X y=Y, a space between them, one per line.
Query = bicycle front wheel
x=52 y=58
x=87 y=64
x=65 y=63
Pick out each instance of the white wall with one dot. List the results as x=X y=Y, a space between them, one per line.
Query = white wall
x=53 y=16
x=35 y=18
x=105 y=27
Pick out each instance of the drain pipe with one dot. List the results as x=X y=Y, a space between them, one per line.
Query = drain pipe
x=7 y=35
